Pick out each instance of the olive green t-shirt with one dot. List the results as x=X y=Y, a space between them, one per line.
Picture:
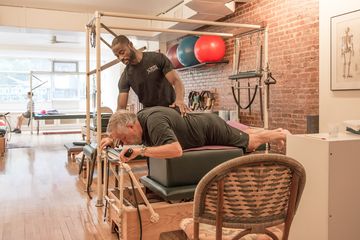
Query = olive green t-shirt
x=163 y=125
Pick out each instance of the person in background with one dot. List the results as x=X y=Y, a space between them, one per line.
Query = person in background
x=29 y=108
x=150 y=75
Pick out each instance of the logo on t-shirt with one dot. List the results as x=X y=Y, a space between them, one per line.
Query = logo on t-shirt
x=152 y=69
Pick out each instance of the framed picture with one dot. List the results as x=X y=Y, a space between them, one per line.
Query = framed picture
x=345 y=51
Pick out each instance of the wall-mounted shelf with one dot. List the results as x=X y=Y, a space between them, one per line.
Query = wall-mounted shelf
x=203 y=64
x=248 y=74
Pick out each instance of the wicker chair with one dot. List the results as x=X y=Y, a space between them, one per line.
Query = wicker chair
x=250 y=195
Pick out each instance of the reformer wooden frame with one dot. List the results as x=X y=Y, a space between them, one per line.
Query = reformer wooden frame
x=96 y=22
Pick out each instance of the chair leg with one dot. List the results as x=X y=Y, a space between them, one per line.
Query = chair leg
x=91 y=175
x=81 y=163
x=92 y=166
x=196 y=230
x=286 y=232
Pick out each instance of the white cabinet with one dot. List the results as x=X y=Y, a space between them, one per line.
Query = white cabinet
x=330 y=204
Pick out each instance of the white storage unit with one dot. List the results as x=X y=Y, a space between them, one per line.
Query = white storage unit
x=330 y=205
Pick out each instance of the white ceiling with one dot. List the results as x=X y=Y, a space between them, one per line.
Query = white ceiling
x=21 y=39
x=15 y=40
x=150 y=7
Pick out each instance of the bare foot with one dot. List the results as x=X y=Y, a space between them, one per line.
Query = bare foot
x=285 y=132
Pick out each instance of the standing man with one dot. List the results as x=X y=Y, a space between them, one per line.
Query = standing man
x=150 y=75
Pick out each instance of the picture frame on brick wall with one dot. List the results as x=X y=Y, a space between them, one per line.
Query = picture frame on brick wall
x=345 y=51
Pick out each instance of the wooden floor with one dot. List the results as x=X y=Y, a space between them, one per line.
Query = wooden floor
x=41 y=196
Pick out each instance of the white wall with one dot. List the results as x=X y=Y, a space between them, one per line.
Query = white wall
x=335 y=106
x=109 y=85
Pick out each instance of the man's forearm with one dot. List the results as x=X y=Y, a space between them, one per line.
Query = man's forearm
x=122 y=101
x=179 y=91
x=174 y=80
x=165 y=151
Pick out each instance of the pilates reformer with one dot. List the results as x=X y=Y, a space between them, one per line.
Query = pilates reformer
x=125 y=217
x=93 y=37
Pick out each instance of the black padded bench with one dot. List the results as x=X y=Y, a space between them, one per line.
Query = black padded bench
x=176 y=178
x=72 y=150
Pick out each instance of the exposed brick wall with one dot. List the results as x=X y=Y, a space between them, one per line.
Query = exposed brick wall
x=293 y=57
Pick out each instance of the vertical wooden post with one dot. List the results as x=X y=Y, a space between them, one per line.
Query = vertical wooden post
x=99 y=202
x=266 y=61
x=87 y=85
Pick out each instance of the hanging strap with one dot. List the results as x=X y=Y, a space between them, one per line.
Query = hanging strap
x=251 y=101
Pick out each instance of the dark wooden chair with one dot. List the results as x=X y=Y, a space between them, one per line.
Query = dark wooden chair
x=249 y=196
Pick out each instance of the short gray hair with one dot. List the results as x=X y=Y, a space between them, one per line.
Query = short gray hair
x=120 y=119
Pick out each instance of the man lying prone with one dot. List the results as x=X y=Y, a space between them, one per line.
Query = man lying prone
x=164 y=133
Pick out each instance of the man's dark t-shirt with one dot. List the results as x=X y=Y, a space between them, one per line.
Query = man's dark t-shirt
x=163 y=125
x=147 y=79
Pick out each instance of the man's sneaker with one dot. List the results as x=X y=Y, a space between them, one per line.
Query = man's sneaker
x=17 y=130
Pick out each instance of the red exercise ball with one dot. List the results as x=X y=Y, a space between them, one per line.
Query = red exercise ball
x=172 y=55
x=209 y=49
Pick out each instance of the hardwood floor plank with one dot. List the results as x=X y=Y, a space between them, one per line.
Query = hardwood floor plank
x=43 y=196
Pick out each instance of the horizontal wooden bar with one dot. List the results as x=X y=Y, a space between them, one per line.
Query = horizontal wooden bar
x=168 y=19
x=151 y=29
x=105 y=66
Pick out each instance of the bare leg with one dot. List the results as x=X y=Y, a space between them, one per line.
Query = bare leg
x=253 y=130
x=19 y=121
x=265 y=136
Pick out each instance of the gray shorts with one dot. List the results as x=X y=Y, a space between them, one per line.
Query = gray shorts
x=26 y=114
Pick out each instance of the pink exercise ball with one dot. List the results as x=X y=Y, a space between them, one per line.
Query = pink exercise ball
x=209 y=49
x=172 y=55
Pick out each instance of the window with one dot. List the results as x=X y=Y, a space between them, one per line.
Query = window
x=15 y=81
x=60 y=87
x=65 y=66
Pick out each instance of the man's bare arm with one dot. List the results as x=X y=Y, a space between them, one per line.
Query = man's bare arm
x=170 y=150
x=122 y=101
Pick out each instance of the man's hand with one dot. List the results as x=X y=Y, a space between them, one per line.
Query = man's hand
x=134 y=154
x=107 y=141
x=182 y=107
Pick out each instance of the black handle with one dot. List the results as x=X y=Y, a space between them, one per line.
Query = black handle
x=128 y=152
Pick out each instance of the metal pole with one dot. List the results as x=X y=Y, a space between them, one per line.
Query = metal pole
x=250 y=32
x=99 y=202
